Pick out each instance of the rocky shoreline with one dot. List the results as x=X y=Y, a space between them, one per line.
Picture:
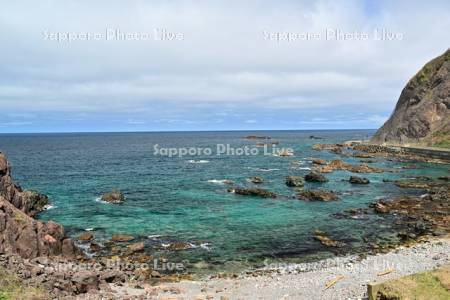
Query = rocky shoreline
x=41 y=255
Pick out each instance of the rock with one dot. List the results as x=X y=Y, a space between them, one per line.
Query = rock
x=362 y=155
x=317 y=161
x=257 y=137
x=255 y=192
x=358 y=180
x=256 y=180
x=85 y=237
x=343 y=166
x=178 y=246
x=380 y=208
x=317 y=195
x=33 y=202
x=113 y=276
x=409 y=184
x=136 y=247
x=315 y=177
x=122 y=238
x=156 y=274
x=422 y=113
x=114 y=197
x=85 y=281
x=94 y=247
x=335 y=148
x=294 y=181
x=3 y=165
x=325 y=240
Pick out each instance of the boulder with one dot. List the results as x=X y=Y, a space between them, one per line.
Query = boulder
x=115 y=197
x=112 y=276
x=317 y=195
x=358 y=180
x=255 y=192
x=136 y=247
x=122 y=238
x=315 y=177
x=85 y=237
x=294 y=181
x=85 y=281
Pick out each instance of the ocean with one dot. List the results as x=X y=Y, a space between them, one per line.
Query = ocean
x=183 y=198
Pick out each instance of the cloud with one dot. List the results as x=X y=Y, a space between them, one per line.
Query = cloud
x=223 y=66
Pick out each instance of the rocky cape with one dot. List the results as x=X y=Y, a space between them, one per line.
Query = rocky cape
x=422 y=114
x=20 y=233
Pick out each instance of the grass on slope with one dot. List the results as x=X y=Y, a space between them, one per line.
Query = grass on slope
x=11 y=288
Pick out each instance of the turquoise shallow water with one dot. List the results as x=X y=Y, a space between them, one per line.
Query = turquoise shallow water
x=173 y=198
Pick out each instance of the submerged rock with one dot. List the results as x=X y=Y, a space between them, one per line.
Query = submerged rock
x=323 y=238
x=255 y=192
x=317 y=195
x=315 y=177
x=115 y=196
x=294 y=181
x=358 y=180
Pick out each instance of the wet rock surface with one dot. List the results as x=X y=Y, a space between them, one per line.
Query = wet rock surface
x=358 y=180
x=317 y=195
x=315 y=177
x=254 y=192
x=114 y=197
x=294 y=181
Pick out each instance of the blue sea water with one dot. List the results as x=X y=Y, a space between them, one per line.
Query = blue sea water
x=172 y=199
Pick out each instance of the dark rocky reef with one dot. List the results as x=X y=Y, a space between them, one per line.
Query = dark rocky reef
x=422 y=113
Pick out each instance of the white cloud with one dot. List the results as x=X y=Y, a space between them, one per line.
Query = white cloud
x=223 y=66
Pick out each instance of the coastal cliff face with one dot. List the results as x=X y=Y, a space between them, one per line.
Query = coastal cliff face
x=19 y=232
x=422 y=114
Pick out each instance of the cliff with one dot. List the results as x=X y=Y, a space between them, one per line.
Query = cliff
x=422 y=114
x=20 y=233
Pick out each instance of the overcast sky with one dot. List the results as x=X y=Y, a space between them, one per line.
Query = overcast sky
x=224 y=69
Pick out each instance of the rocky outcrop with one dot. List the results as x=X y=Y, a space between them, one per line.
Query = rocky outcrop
x=317 y=195
x=19 y=232
x=343 y=166
x=315 y=177
x=115 y=197
x=254 y=192
x=294 y=181
x=422 y=114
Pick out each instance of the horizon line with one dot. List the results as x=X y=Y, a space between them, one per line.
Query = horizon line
x=177 y=131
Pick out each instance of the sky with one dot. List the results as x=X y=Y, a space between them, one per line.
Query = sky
x=211 y=65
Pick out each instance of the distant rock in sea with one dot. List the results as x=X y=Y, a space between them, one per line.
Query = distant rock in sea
x=115 y=197
x=422 y=114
